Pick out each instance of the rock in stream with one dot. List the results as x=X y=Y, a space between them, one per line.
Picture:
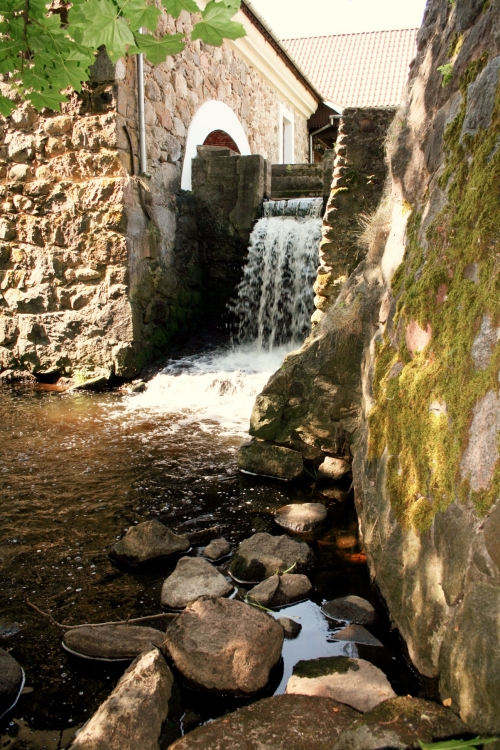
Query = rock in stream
x=355 y=682
x=301 y=517
x=278 y=591
x=134 y=713
x=283 y=722
x=263 y=555
x=147 y=541
x=193 y=578
x=224 y=645
x=112 y=642
x=350 y=609
x=11 y=681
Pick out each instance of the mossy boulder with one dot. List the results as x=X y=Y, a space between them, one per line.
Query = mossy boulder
x=262 y=556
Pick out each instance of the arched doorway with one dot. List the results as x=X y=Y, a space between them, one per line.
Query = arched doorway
x=221 y=138
x=211 y=117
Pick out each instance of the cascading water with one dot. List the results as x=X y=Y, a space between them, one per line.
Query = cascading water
x=275 y=297
x=271 y=313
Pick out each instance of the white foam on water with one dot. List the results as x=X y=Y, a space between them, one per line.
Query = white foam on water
x=216 y=390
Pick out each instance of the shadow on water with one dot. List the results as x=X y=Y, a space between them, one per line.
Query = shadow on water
x=75 y=472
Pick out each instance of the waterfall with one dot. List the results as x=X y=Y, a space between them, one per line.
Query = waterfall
x=216 y=390
x=275 y=296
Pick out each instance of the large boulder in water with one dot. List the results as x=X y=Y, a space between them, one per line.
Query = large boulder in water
x=401 y=723
x=355 y=682
x=148 y=541
x=263 y=555
x=111 y=642
x=224 y=645
x=11 y=681
x=134 y=714
x=283 y=722
x=193 y=578
x=270 y=460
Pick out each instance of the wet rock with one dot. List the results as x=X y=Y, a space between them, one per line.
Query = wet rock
x=192 y=578
x=11 y=681
x=112 y=642
x=355 y=682
x=217 y=548
x=301 y=517
x=8 y=629
x=147 y=541
x=400 y=722
x=277 y=591
x=270 y=460
x=263 y=555
x=346 y=541
x=333 y=468
x=224 y=645
x=350 y=609
x=290 y=627
x=357 y=634
x=282 y=722
x=203 y=536
x=92 y=384
x=334 y=493
x=139 y=386
x=9 y=377
x=135 y=711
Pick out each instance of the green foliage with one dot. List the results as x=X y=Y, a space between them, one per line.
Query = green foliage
x=44 y=53
x=457 y=744
x=446 y=71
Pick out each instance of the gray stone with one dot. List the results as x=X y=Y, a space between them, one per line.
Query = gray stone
x=134 y=713
x=112 y=642
x=334 y=468
x=147 y=541
x=480 y=457
x=263 y=555
x=22 y=377
x=356 y=634
x=400 y=723
x=192 y=578
x=484 y=343
x=92 y=384
x=355 y=682
x=217 y=548
x=11 y=682
x=270 y=460
x=481 y=95
x=277 y=591
x=224 y=645
x=290 y=627
x=301 y=517
x=282 y=722
x=350 y=609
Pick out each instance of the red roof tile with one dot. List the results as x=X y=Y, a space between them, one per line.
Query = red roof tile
x=368 y=69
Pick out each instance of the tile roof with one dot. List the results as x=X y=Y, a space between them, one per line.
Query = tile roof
x=368 y=69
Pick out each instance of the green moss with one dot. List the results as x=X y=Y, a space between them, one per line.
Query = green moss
x=425 y=446
x=324 y=666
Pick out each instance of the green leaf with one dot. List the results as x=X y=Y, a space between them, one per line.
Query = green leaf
x=457 y=744
x=49 y=99
x=157 y=50
x=140 y=15
x=174 y=7
x=106 y=27
x=6 y=106
x=217 y=25
x=447 y=73
x=233 y=4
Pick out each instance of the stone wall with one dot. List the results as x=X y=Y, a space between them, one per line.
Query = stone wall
x=100 y=268
x=427 y=466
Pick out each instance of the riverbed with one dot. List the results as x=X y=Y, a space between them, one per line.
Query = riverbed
x=78 y=469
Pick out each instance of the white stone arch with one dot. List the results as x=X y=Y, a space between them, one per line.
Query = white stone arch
x=211 y=116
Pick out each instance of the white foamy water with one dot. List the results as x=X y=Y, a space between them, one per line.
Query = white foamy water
x=215 y=390
x=275 y=296
x=272 y=313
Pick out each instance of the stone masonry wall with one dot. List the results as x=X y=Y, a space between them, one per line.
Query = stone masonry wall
x=100 y=268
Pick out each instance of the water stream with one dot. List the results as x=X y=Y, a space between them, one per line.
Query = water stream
x=77 y=470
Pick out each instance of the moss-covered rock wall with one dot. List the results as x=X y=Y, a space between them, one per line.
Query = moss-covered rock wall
x=427 y=469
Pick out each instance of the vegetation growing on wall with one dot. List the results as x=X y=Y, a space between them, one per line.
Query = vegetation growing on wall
x=424 y=401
